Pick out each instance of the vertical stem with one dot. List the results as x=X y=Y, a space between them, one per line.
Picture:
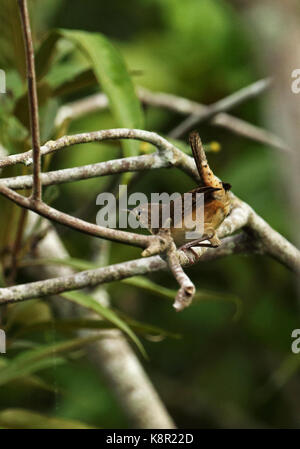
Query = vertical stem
x=17 y=246
x=33 y=100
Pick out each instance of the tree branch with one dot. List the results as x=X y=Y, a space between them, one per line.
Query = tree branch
x=75 y=223
x=129 y=164
x=33 y=99
x=166 y=149
x=223 y=105
x=267 y=241
x=245 y=129
x=180 y=105
x=187 y=289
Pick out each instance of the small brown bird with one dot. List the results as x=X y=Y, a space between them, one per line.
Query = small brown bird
x=216 y=205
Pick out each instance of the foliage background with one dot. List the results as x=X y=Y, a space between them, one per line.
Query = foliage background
x=227 y=369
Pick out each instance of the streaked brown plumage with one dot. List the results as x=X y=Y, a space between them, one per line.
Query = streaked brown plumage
x=216 y=204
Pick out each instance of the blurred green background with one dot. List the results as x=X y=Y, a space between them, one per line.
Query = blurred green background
x=229 y=368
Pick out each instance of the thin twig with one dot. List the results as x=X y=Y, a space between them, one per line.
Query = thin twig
x=245 y=129
x=223 y=105
x=33 y=100
x=187 y=289
x=180 y=105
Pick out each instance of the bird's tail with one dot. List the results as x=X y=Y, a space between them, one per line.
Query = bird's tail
x=205 y=173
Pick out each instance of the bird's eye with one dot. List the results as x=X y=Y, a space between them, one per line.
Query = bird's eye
x=226 y=186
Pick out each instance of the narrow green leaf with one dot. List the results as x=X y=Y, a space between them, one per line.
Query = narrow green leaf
x=106 y=313
x=26 y=419
x=18 y=369
x=66 y=325
x=75 y=324
x=42 y=357
x=21 y=110
x=114 y=79
x=78 y=81
x=77 y=264
x=45 y=55
x=12 y=53
x=111 y=73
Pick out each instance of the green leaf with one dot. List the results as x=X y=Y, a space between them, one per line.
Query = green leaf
x=77 y=264
x=35 y=382
x=42 y=357
x=66 y=325
x=19 y=369
x=21 y=110
x=106 y=313
x=27 y=313
x=12 y=53
x=114 y=79
x=79 y=80
x=31 y=381
x=111 y=73
x=45 y=55
x=75 y=324
x=151 y=287
x=26 y=419
x=148 y=329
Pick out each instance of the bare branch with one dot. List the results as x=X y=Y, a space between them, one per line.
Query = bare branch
x=245 y=129
x=165 y=147
x=187 y=289
x=241 y=243
x=92 y=103
x=85 y=227
x=267 y=241
x=80 y=108
x=223 y=105
x=130 y=164
x=83 y=279
x=33 y=99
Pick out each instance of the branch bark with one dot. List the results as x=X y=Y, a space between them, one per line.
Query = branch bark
x=33 y=100
x=267 y=241
x=85 y=227
x=165 y=148
x=223 y=105
x=129 y=164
